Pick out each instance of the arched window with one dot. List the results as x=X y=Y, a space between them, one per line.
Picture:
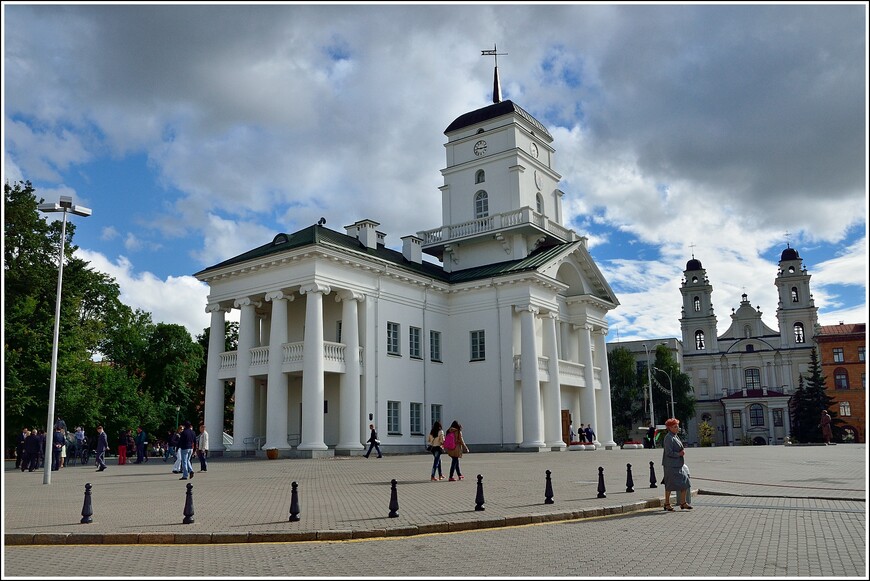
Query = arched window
x=794 y=294
x=694 y=279
x=798 y=332
x=480 y=176
x=481 y=204
x=539 y=200
x=841 y=378
x=697 y=304
x=699 y=340
x=756 y=415
x=791 y=270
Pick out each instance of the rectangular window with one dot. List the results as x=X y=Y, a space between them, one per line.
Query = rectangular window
x=394 y=424
x=777 y=417
x=752 y=377
x=435 y=412
x=338 y=331
x=435 y=346
x=478 y=345
x=393 y=339
x=756 y=415
x=861 y=354
x=735 y=419
x=415 y=350
x=416 y=423
x=838 y=355
x=845 y=408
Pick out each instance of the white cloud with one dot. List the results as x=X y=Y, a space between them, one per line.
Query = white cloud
x=176 y=300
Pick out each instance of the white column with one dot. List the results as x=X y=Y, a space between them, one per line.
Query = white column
x=531 y=390
x=786 y=423
x=604 y=428
x=552 y=394
x=312 y=369
x=214 y=386
x=350 y=418
x=276 y=389
x=587 y=394
x=772 y=438
x=243 y=415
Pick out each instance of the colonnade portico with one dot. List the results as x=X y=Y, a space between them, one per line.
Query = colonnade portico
x=274 y=326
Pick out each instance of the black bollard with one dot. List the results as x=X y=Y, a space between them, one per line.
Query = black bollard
x=548 y=490
x=294 y=504
x=394 y=500
x=629 y=481
x=601 y=483
x=87 y=509
x=478 y=501
x=188 y=505
x=652 y=476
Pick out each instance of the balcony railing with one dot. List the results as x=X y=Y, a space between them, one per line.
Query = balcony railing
x=493 y=223
x=292 y=357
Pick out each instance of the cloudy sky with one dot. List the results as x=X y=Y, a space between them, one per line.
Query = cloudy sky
x=198 y=132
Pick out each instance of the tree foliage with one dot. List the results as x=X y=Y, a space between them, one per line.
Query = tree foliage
x=115 y=366
x=807 y=403
x=626 y=397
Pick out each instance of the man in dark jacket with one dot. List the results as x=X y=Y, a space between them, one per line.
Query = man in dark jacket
x=57 y=444
x=32 y=445
x=102 y=448
x=141 y=442
x=185 y=447
x=19 y=449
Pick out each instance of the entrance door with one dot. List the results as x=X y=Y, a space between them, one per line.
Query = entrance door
x=566 y=426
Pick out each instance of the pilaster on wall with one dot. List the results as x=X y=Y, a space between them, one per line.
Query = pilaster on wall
x=531 y=389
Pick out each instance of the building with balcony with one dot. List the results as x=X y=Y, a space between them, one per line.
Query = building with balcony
x=504 y=333
x=842 y=352
x=743 y=379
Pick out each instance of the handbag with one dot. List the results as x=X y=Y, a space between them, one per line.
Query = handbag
x=378 y=442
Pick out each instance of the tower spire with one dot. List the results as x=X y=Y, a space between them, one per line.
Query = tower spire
x=496 y=87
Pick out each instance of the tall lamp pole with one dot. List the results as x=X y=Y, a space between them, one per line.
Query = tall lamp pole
x=671 y=386
x=177 y=409
x=652 y=417
x=65 y=205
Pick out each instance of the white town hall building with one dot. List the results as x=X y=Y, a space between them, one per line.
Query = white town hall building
x=507 y=335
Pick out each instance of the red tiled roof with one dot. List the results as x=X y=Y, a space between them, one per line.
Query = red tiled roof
x=843 y=329
x=754 y=393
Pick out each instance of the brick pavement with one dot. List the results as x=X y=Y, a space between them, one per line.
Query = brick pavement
x=248 y=500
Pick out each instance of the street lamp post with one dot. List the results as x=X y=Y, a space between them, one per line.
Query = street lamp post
x=65 y=205
x=671 y=386
x=177 y=409
x=652 y=417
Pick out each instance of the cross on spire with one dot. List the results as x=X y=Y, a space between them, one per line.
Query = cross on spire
x=496 y=87
x=692 y=246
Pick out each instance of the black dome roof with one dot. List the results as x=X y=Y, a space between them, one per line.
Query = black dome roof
x=694 y=264
x=789 y=254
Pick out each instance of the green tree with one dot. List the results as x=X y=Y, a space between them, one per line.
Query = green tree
x=667 y=370
x=808 y=402
x=626 y=398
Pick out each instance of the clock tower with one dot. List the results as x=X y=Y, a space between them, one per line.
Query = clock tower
x=500 y=198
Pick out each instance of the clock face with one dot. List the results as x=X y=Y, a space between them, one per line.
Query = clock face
x=534 y=150
x=480 y=147
x=538 y=180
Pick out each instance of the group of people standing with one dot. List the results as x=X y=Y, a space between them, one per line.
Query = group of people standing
x=584 y=435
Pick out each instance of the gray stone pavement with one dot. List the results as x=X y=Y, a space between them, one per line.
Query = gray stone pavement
x=248 y=500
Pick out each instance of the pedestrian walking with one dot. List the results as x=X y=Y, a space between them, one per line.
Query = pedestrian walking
x=19 y=448
x=673 y=463
x=435 y=440
x=202 y=448
x=186 y=442
x=454 y=443
x=651 y=436
x=825 y=424
x=102 y=448
x=590 y=435
x=141 y=441
x=373 y=441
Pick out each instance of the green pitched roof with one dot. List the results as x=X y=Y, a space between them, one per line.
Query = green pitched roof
x=317 y=235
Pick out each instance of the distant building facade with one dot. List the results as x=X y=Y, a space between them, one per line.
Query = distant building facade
x=744 y=378
x=842 y=352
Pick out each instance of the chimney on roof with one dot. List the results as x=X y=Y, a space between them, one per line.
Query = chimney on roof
x=412 y=249
x=365 y=232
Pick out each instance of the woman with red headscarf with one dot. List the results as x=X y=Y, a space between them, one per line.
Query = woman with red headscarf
x=675 y=477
